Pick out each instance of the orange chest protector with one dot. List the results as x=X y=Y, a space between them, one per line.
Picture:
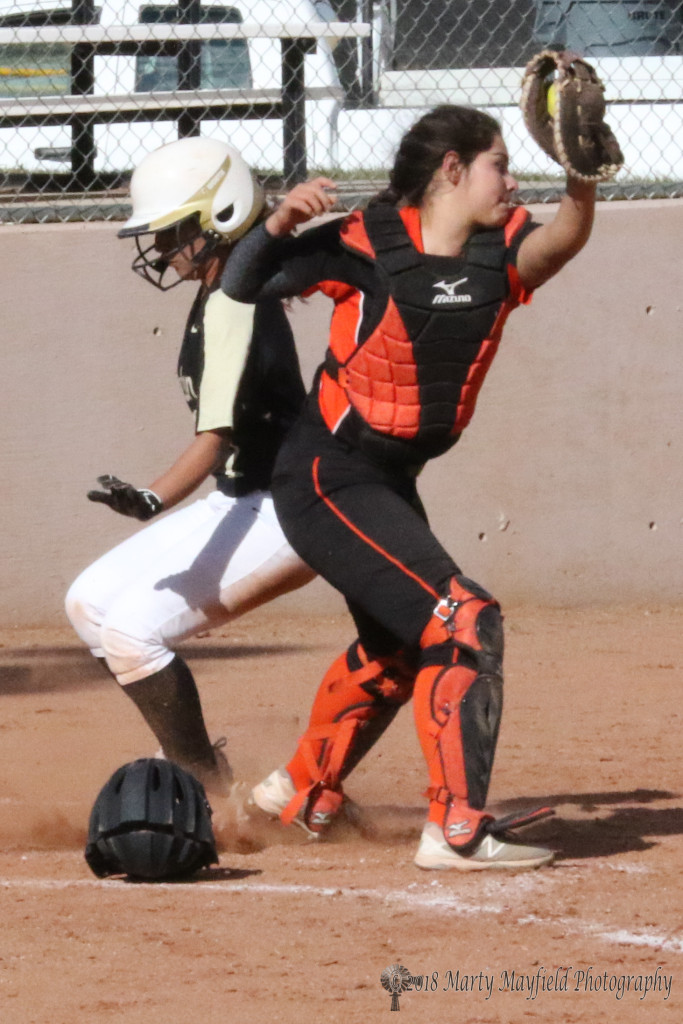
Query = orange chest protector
x=427 y=330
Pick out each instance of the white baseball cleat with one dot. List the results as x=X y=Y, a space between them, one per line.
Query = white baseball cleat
x=435 y=854
x=275 y=793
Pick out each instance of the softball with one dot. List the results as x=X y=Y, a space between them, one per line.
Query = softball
x=551 y=99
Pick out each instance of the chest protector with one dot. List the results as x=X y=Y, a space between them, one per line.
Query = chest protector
x=427 y=330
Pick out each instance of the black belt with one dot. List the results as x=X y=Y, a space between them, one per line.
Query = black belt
x=237 y=486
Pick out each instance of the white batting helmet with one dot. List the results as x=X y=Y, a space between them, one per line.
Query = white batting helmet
x=195 y=180
x=194 y=176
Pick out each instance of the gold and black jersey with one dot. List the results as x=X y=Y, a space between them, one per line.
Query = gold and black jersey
x=239 y=370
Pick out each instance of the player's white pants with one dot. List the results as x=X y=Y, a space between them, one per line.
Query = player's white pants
x=194 y=569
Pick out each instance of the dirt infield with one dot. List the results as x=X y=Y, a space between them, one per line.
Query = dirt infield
x=302 y=932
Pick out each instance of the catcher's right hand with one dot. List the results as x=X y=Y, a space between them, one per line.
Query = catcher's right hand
x=140 y=503
x=563 y=105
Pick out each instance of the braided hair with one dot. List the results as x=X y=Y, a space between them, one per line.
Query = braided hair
x=445 y=129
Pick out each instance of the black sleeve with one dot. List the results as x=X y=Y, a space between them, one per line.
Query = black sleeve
x=524 y=232
x=270 y=396
x=261 y=266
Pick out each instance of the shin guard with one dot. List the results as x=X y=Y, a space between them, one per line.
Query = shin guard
x=357 y=700
x=458 y=706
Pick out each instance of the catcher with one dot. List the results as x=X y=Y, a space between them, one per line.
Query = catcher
x=422 y=283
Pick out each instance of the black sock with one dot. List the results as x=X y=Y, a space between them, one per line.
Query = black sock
x=103 y=663
x=170 y=705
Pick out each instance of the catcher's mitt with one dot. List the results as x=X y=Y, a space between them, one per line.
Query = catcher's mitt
x=563 y=105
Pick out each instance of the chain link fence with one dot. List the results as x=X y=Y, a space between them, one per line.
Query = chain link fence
x=87 y=87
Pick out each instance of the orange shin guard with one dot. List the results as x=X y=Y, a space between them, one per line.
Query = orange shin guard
x=356 y=701
x=458 y=705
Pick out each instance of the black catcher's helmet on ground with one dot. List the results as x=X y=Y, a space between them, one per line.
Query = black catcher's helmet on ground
x=151 y=821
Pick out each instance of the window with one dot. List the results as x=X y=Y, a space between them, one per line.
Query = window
x=35 y=69
x=224 y=62
x=431 y=34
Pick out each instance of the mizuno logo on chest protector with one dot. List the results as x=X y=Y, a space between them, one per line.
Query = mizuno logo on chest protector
x=449 y=294
x=409 y=352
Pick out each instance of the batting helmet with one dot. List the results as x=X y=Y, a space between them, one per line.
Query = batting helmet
x=197 y=178
x=150 y=821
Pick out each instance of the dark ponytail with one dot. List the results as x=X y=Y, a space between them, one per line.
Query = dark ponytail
x=447 y=128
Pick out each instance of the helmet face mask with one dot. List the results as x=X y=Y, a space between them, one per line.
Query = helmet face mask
x=197 y=178
x=153 y=260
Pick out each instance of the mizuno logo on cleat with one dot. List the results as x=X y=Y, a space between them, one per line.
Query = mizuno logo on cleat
x=460 y=828
x=449 y=294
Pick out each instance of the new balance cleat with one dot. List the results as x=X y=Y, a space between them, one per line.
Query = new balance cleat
x=493 y=852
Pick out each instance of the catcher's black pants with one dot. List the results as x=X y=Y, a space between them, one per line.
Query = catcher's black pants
x=362 y=527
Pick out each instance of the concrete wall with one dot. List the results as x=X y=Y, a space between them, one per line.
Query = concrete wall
x=565 y=490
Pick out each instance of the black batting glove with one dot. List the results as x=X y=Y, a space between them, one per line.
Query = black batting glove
x=140 y=503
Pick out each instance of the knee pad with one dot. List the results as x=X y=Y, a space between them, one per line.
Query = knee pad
x=458 y=705
x=467 y=619
x=356 y=702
